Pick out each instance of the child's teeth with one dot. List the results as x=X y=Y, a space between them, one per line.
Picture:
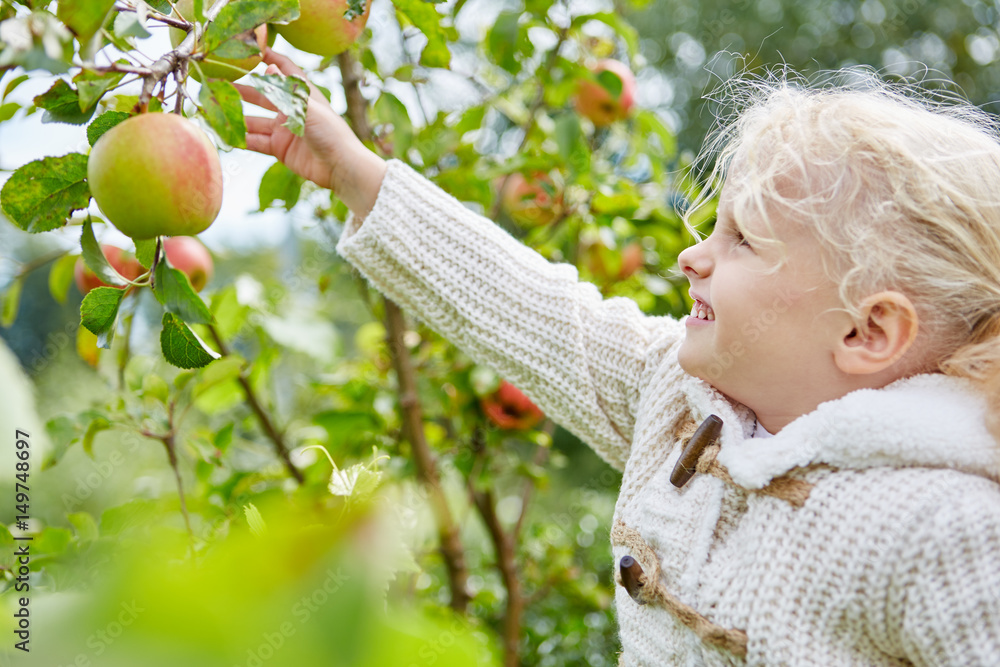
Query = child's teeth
x=711 y=316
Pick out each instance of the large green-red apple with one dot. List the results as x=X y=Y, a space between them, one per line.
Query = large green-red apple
x=322 y=29
x=128 y=266
x=532 y=202
x=596 y=102
x=190 y=256
x=212 y=66
x=156 y=174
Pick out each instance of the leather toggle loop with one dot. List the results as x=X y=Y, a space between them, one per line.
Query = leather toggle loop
x=686 y=465
x=632 y=577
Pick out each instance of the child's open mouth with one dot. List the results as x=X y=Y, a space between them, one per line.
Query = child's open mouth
x=702 y=311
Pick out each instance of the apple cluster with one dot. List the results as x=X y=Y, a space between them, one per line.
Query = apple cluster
x=183 y=253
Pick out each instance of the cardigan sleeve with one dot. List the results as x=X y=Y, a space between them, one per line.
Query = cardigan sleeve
x=944 y=602
x=578 y=356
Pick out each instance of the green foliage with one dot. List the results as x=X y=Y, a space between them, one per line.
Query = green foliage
x=40 y=195
x=242 y=15
x=181 y=346
x=289 y=94
x=220 y=103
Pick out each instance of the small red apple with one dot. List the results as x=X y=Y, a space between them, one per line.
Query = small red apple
x=510 y=409
x=532 y=203
x=594 y=101
x=128 y=266
x=191 y=257
x=609 y=265
x=632 y=259
x=322 y=29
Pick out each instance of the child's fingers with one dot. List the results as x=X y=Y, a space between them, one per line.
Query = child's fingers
x=254 y=96
x=260 y=143
x=259 y=125
x=284 y=63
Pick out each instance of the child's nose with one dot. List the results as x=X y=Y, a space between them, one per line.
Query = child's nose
x=695 y=261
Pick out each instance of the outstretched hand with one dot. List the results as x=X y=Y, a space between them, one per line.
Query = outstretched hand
x=328 y=154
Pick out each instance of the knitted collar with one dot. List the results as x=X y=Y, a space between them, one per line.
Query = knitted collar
x=928 y=420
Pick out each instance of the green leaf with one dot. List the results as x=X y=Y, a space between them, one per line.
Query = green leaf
x=243 y=15
x=61 y=277
x=279 y=183
x=224 y=437
x=12 y=85
x=388 y=109
x=41 y=195
x=428 y=20
x=611 y=82
x=84 y=17
x=62 y=105
x=155 y=387
x=242 y=45
x=230 y=315
x=95 y=260
x=99 y=313
x=255 y=520
x=10 y=302
x=62 y=433
x=93 y=428
x=223 y=109
x=130 y=24
x=145 y=251
x=289 y=94
x=8 y=110
x=181 y=346
x=85 y=526
x=617 y=23
x=502 y=41
x=568 y=134
x=173 y=289
x=91 y=85
x=103 y=123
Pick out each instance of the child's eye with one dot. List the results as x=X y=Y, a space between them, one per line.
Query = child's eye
x=740 y=240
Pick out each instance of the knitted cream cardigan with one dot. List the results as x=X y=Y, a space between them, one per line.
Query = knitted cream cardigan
x=893 y=558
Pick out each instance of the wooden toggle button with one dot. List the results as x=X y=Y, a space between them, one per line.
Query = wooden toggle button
x=706 y=434
x=632 y=577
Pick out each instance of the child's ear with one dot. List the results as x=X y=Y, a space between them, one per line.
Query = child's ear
x=888 y=333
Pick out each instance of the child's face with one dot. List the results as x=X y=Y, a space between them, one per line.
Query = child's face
x=760 y=335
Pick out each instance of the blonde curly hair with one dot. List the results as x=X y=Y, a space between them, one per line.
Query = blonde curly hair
x=900 y=186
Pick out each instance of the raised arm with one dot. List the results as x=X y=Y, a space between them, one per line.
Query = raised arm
x=579 y=357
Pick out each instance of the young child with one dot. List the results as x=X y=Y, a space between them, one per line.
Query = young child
x=842 y=506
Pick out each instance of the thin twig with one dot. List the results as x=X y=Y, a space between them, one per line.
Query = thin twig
x=452 y=550
x=266 y=423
